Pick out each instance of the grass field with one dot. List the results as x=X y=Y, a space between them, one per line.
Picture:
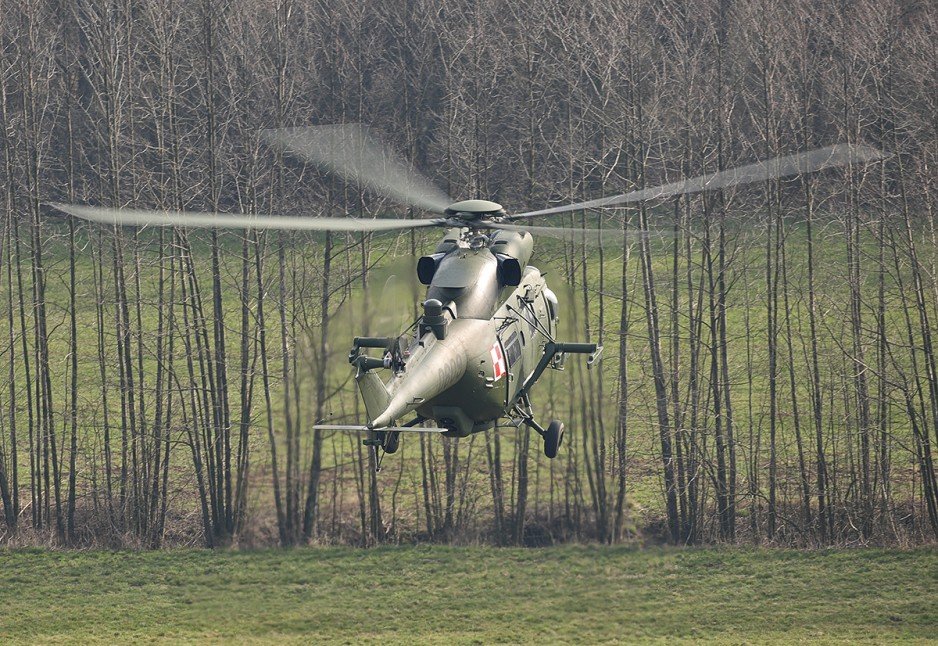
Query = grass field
x=469 y=595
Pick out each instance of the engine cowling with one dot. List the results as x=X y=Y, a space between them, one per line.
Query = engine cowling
x=513 y=250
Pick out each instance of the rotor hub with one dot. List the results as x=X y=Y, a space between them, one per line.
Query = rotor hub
x=475 y=210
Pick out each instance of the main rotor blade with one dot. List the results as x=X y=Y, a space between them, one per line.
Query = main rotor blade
x=591 y=237
x=349 y=151
x=142 y=218
x=386 y=429
x=775 y=168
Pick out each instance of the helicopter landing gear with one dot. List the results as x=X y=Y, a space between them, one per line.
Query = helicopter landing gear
x=392 y=440
x=389 y=441
x=553 y=438
x=552 y=435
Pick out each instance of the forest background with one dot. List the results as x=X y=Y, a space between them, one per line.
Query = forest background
x=769 y=372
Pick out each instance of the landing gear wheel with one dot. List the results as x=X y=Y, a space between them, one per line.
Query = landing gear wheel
x=392 y=440
x=553 y=438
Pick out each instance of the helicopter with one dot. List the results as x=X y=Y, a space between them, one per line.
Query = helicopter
x=489 y=321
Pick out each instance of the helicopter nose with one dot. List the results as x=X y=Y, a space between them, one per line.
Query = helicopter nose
x=441 y=367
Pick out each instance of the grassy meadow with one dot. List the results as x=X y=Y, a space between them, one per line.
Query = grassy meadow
x=571 y=594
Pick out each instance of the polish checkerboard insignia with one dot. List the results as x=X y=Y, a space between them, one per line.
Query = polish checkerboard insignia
x=498 y=361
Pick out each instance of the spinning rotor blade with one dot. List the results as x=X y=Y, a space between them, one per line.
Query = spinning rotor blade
x=775 y=168
x=592 y=237
x=395 y=300
x=350 y=152
x=141 y=218
x=387 y=429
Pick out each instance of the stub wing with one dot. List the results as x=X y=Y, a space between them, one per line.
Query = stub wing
x=403 y=429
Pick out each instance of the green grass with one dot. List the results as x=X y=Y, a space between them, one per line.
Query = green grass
x=470 y=595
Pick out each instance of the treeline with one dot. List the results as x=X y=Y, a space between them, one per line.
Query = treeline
x=770 y=370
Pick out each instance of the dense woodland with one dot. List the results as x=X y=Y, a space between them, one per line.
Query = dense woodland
x=770 y=371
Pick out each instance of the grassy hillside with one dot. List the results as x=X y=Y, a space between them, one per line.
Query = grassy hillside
x=474 y=595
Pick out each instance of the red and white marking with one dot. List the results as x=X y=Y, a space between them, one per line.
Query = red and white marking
x=498 y=361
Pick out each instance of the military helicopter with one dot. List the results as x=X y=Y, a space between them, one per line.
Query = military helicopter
x=489 y=321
